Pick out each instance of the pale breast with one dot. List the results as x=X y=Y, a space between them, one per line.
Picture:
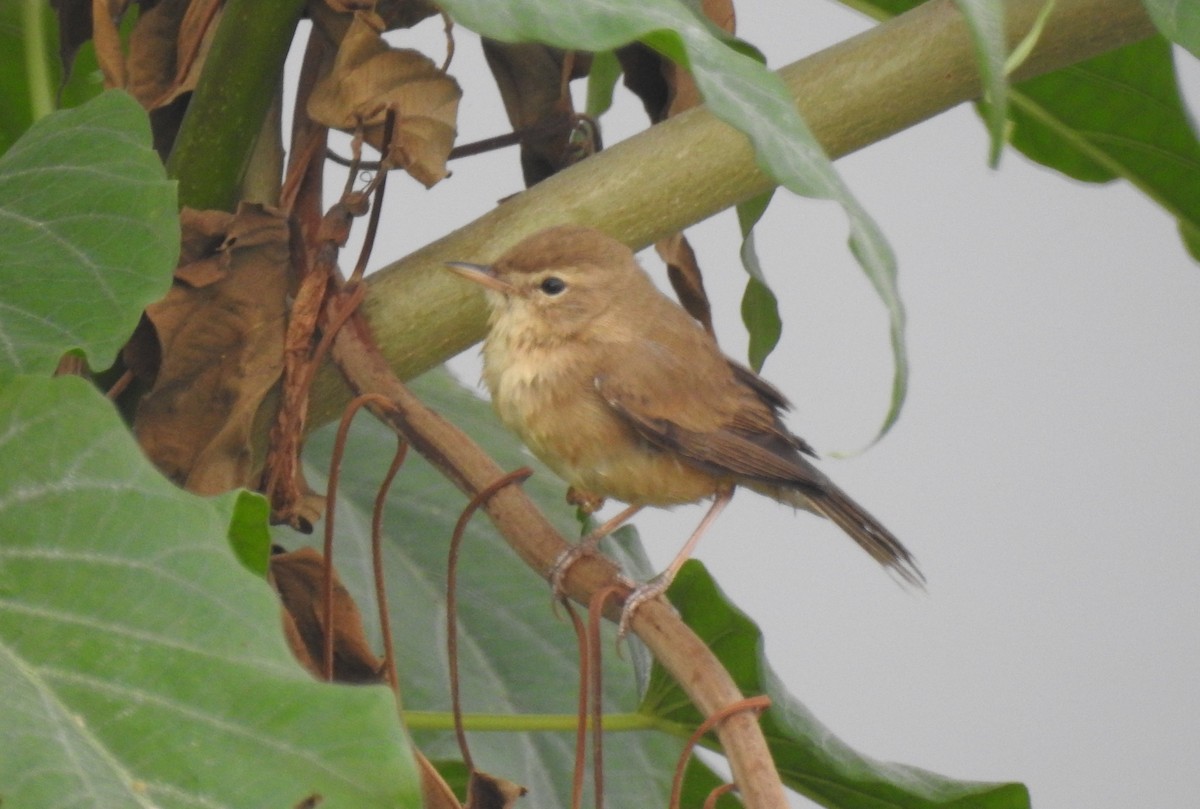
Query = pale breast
x=544 y=396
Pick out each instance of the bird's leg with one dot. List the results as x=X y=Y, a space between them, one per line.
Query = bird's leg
x=585 y=546
x=659 y=584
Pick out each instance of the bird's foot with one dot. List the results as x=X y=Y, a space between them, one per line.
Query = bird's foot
x=640 y=595
x=565 y=561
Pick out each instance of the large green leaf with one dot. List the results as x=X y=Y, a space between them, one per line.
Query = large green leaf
x=141 y=664
x=736 y=88
x=1116 y=115
x=518 y=661
x=88 y=234
x=809 y=757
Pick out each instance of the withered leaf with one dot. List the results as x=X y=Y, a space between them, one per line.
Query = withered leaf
x=435 y=792
x=369 y=77
x=220 y=330
x=667 y=89
x=394 y=13
x=664 y=86
x=298 y=577
x=107 y=40
x=530 y=78
x=684 y=272
x=491 y=792
x=167 y=49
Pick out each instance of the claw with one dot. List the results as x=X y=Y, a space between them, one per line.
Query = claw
x=565 y=561
x=643 y=593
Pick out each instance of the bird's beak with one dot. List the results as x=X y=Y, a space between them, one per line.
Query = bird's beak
x=481 y=274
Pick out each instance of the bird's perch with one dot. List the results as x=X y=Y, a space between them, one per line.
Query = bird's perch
x=852 y=94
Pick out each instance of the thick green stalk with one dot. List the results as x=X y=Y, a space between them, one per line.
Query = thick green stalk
x=538 y=723
x=37 y=70
x=852 y=94
x=235 y=92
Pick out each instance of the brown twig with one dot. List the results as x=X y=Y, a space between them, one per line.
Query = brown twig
x=120 y=385
x=513 y=138
x=303 y=192
x=595 y=652
x=481 y=497
x=312 y=300
x=449 y=29
x=377 y=185
x=754 y=704
x=581 y=712
x=536 y=541
x=564 y=86
x=335 y=465
x=298 y=169
x=711 y=801
x=385 y=621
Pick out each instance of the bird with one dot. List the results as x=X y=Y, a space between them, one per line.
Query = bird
x=624 y=395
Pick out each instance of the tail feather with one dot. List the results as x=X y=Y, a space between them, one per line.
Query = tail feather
x=871 y=535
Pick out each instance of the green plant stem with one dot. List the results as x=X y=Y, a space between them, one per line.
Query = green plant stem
x=235 y=91
x=688 y=168
x=526 y=723
x=37 y=71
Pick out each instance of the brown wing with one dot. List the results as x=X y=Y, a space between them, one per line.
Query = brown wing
x=724 y=419
x=716 y=414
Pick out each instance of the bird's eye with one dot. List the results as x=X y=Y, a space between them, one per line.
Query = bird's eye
x=553 y=285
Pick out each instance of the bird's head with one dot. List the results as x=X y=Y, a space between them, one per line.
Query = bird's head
x=559 y=282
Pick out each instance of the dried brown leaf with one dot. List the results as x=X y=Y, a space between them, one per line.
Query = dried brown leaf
x=369 y=77
x=665 y=87
x=299 y=578
x=490 y=792
x=220 y=330
x=435 y=792
x=684 y=272
x=106 y=37
x=530 y=79
x=394 y=13
x=167 y=49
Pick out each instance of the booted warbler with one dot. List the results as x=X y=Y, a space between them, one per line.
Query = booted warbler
x=624 y=395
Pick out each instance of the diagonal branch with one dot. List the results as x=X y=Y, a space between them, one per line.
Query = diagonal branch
x=535 y=540
x=852 y=94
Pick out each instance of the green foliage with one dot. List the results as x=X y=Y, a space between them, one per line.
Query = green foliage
x=760 y=308
x=141 y=655
x=141 y=664
x=1116 y=115
x=248 y=533
x=31 y=73
x=89 y=234
x=986 y=21
x=140 y=661
x=226 y=112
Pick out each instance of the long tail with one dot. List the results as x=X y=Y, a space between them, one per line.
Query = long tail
x=871 y=535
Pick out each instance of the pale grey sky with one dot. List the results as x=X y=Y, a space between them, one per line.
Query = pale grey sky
x=1045 y=469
